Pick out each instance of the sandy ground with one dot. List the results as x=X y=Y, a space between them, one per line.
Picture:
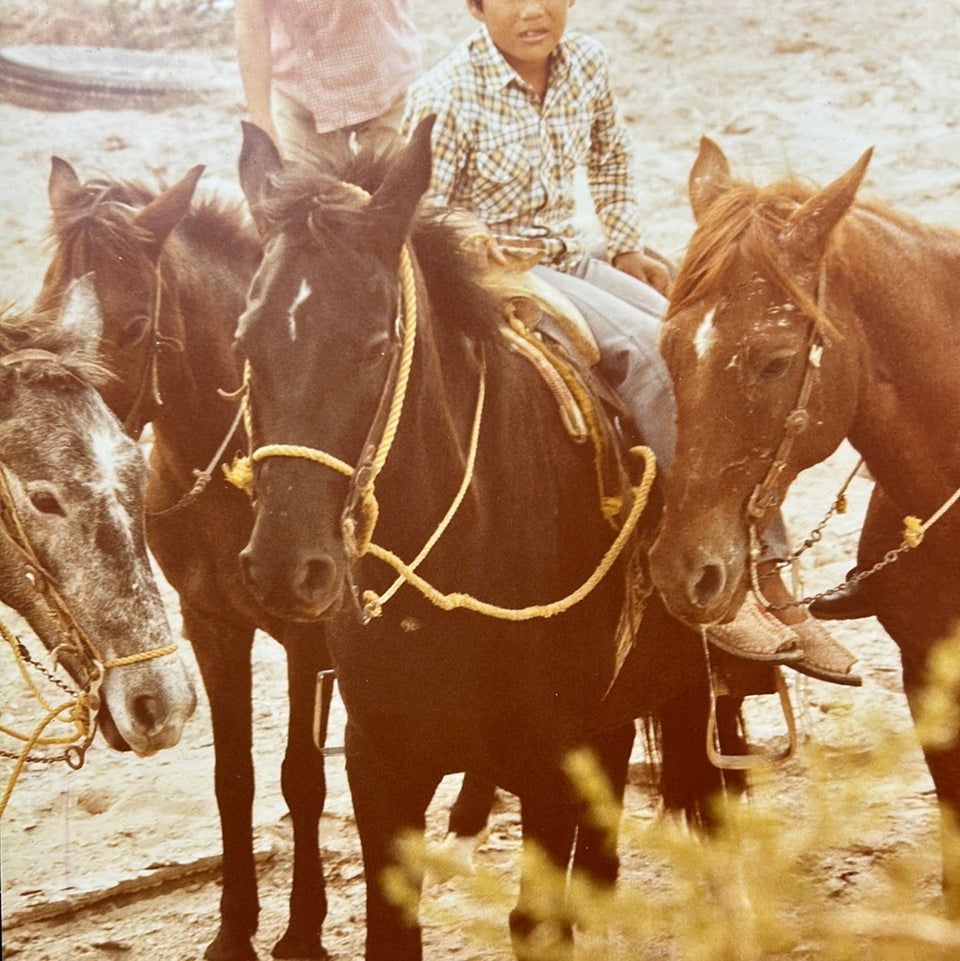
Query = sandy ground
x=801 y=85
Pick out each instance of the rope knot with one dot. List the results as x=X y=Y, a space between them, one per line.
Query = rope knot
x=912 y=531
x=240 y=474
x=372 y=606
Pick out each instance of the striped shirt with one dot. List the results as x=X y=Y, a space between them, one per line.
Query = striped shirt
x=345 y=61
x=511 y=160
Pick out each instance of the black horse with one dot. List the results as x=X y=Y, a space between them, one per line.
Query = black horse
x=451 y=454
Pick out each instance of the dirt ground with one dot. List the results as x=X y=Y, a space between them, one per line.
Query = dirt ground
x=118 y=860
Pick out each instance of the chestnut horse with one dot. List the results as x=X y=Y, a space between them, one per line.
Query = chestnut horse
x=799 y=318
x=73 y=558
x=464 y=463
x=172 y=282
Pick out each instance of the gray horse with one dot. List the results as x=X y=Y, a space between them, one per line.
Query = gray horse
x=73 y=558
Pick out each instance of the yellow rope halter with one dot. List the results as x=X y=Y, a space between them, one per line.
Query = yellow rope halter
x=80 y=711
x=240 y=474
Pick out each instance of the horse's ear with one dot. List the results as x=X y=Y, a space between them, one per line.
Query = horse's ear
x=80 y=312
x=811 y=224
x=405 y=183
x=162 y=214
x=709 y=178
x=61 y=185
x=259 y=159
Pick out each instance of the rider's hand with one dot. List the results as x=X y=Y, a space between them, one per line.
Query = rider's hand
x=644 y=268
x=483 y=250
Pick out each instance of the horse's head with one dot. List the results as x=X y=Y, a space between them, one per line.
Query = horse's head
x=117 y=232
x=321 y=335
x=750 y=339
x=73 y=557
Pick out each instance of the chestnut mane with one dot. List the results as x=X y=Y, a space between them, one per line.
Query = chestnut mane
x=746 y=224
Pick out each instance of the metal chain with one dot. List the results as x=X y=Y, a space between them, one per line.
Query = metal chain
x=73 y=754
x=42 y=669
x=839 y=506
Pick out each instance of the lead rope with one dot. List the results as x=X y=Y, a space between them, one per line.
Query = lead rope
x=79 y=712
x=457 y=599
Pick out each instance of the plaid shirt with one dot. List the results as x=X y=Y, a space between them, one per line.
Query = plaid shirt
x=510 y=160
x=345 y=61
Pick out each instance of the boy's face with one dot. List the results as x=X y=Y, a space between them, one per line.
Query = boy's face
x=524 y=31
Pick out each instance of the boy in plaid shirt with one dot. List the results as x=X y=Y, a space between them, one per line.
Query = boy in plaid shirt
x=520 y=106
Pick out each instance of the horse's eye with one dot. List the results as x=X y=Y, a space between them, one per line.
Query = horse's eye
x=775 y=366
x=133 y=332
x=45 y=501
x=377 y=350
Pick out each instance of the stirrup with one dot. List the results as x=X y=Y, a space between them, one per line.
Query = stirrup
x=743 y=762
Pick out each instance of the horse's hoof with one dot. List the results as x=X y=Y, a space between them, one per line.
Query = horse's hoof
x=292 y=946
x=229 y=946
x=540 y=940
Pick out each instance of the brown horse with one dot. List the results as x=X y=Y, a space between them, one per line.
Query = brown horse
x=172 y=282
x=414 y=381
x=799 y=318
x=73 y=558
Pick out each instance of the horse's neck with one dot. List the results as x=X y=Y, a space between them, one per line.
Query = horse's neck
x=904 y=282
x=194 y=371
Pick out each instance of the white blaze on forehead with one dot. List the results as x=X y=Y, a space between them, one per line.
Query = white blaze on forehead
x=110 y=453
x=704 y=336
x=302 y=294
x=114 y=467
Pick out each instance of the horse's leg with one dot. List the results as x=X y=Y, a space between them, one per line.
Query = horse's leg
x=944 y=765
x=223 y=657
x=304 y=789
x=689 y=783
x=471 y=810
x=596 y=853
x=915 y=601
x=390 y=799
x=540 y=925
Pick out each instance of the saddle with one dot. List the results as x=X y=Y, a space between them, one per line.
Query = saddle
x=547 y=329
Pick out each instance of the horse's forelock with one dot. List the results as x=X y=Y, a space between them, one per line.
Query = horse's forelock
x=321 y=206
x=745 y=225
x=70 y=359
x=95 y=197
x=98 y=220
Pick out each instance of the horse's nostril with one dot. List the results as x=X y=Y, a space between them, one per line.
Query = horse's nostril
x=706 y=584
x=316 y=576
x=147 y=713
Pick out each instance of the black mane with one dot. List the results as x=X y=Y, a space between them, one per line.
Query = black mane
x=328 y=210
